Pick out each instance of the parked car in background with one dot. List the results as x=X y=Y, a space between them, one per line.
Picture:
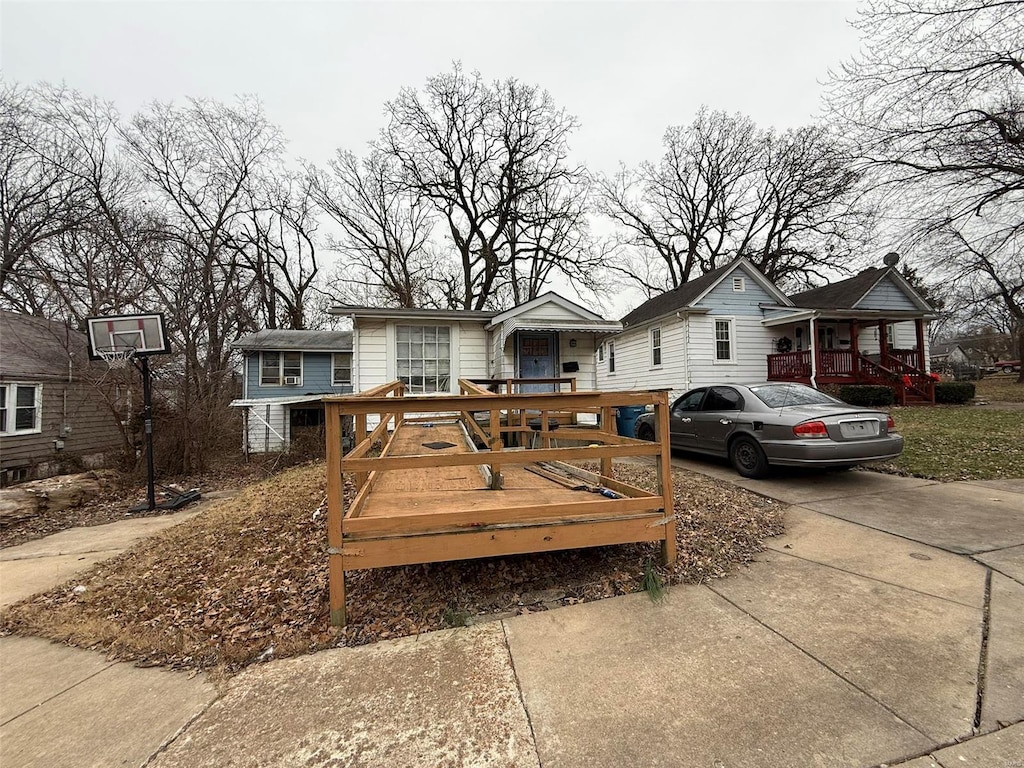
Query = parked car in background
x=1007 y=366
x=757 y=426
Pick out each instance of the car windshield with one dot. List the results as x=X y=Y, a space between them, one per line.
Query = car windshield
x=784 y=395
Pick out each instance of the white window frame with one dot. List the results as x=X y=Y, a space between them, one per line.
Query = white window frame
x=437 y=359
x=611 y=357
x=9 y=417
x=600 y=353
x=656 y=347
x=730 y=325
x=282 y=367
x=334 y=369
x=739 y=284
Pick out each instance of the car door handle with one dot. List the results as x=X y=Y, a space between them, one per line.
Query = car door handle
x=725 y=421
x=685 y=421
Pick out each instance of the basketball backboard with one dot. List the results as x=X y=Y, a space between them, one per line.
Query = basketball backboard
x=143 y=333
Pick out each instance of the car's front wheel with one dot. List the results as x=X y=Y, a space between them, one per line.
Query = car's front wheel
x=1007 y=369
x=645 y=432
x=748 y=458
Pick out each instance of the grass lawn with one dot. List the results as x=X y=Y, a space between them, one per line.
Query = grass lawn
x=960 y=442
x=1000 y=388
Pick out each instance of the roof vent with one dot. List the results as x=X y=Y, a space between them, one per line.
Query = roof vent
x=891 y=259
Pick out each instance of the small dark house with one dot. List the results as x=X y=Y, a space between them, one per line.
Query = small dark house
x=54 y=415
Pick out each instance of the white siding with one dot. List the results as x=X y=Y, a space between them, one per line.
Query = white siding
x=547 y=311
x=752 y=343
x=369 y=354
x=472 y=358
x=268 y=428
x=633 y=369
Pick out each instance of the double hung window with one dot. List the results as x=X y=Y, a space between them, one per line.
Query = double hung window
x=20 y=408
x=277 y=368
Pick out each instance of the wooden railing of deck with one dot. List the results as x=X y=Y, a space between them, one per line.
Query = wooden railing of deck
x=390 y=405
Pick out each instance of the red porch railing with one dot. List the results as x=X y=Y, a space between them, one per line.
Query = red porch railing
x=907 y=381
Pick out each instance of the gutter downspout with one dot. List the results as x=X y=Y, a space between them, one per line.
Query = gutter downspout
x=814 y=349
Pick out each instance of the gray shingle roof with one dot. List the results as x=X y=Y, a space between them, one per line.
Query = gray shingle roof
x=34 y=347
x=327 y=341
x=841 y=295
x=676 y=299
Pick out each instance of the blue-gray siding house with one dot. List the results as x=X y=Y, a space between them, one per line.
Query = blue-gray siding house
x=734 y=324
x=285 y=373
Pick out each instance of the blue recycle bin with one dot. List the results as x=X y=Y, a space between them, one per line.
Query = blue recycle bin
x=625 y=418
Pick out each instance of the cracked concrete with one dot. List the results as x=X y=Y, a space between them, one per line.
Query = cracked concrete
x=855 y=640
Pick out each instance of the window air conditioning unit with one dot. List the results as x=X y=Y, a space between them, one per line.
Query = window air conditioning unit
x=291 y=381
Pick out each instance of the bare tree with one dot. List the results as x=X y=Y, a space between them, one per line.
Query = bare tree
x=725 y=188
x=481 y=154
x=51 y=150
x=278 y=244
x=937 y=95
x=935 y=104
x=201 y=162
x=385 y=232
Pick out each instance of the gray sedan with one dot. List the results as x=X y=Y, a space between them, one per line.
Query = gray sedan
x=757 y=426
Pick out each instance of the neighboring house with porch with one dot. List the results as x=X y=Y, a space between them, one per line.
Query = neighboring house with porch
x=56 y=408
x=733 y=324
x=285 y=374
x=545 y=344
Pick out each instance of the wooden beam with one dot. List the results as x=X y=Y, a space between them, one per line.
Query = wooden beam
x=495 y=446
x=591 y=507
x=607 y=425
x=335 y=516
x=419 y=461
x=533 y=401
x=364 y=446
x=379 y=553
x=661 y=437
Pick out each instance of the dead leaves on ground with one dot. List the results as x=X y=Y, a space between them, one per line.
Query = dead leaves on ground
x=246 y=580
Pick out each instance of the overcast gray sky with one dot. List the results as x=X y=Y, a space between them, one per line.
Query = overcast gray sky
x=627 y=70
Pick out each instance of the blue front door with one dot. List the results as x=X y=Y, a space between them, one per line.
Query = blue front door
x=536 y=353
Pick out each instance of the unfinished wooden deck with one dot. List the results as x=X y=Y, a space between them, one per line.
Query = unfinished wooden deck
x=420 y=502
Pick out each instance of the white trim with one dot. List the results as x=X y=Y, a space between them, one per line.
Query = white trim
x=731 y=330
x=11 y=407
x=351 y=372
x=611 y=358
x=548 y=298
x=280 y=368
x=755 y=274
x=655 y=364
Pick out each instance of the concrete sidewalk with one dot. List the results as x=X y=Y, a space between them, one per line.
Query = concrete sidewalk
x=846 y=644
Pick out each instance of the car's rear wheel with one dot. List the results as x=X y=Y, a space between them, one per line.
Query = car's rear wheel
x=1007 y=369
x=748 y=458
x=645 y=432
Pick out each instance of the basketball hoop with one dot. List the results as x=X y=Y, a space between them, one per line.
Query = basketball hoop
x=116 y=357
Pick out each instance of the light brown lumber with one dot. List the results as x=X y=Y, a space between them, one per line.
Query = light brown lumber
x=335 y=515
x=661 y=436
x=378 y=553
x=420 y=461
x=595 y=508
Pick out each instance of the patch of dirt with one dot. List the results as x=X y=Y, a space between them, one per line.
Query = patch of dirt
x=246 y=580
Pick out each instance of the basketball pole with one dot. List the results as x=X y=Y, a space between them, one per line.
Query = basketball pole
x=147 y=425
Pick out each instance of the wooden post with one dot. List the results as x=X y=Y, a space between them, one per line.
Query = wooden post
x=855 y=349
x=661 y=435
x=359 y=436
x=606 y=421
x=496 y=446
x=883 y=344
x=919 y=328
x=335 y=515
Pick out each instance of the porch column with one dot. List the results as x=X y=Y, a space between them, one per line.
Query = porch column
x=919 y=328
x=854 y=349
x=812 y=326
x=883 y=342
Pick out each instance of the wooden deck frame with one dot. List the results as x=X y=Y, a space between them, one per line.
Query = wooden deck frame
x=403 y=534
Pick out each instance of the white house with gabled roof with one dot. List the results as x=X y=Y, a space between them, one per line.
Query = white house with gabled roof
x=546 y=338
